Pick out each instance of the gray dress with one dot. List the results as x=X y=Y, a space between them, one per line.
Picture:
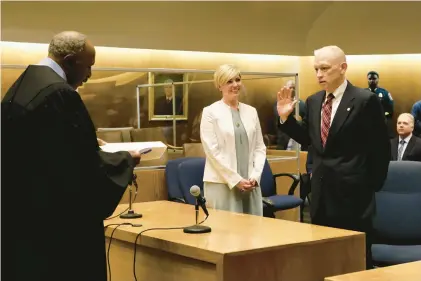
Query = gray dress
x=220 y=196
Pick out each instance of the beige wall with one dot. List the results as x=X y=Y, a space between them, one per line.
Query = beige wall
x=269 y=27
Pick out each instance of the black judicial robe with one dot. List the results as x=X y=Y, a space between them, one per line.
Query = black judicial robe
x=57 y=185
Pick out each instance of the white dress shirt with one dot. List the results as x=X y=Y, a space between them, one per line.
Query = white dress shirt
x=407 y=139
x=338 y=93
x=54 y=66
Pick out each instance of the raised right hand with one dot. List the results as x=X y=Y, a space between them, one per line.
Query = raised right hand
x=286 y=103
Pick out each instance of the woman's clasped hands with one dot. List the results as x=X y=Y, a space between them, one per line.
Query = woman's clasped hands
x=246 y=185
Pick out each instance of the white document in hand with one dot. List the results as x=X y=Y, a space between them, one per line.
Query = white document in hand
x=157 y=148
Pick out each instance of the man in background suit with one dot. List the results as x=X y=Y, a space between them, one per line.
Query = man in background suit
x=405 y=146
x=59 y=183
x=163 y=105
x=350 y=146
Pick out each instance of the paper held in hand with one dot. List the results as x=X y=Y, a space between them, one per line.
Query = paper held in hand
x=157 y=148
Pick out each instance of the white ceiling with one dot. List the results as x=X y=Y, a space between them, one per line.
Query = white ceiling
x=286 y=28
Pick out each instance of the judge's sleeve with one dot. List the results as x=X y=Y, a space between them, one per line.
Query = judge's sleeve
x=115 y=173
x=102 y=177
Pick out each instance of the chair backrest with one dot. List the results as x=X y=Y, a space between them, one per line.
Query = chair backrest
x=267 y=183
x=172 y=178
x=191 y=173
x=125 y=132
x=398 y=204
x=148 y=134
x=193 y=150
x=110 y=136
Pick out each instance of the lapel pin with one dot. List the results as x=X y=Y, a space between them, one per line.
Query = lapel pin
x=348 y=109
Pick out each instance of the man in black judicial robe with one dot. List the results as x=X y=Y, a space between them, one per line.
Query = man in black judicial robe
x=57 y=184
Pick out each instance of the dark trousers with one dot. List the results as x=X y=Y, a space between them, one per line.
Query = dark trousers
x=355 y=224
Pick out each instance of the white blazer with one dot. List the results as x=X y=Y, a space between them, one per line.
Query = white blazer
x=218 y=141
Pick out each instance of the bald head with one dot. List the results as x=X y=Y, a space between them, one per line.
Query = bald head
x=330 y=65
x=75 y=54
x=334 y=54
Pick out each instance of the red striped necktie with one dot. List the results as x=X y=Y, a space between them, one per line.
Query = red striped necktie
x=326 y=115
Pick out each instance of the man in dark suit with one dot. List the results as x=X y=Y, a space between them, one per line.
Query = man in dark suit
x=59 y=184
x=164 y=104
x=406 y=146
x=350 y=146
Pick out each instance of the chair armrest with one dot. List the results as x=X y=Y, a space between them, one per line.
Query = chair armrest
x=268 y=202
x=174 y=147
x=295 y=178
x=178 y=200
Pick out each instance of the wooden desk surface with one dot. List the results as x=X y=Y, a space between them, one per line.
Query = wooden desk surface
x=232 y=233
x=402 y=272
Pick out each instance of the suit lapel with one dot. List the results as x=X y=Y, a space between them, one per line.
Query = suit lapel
x=316 y=116
x=344 y=109
x=394 y=152
x=408 y=148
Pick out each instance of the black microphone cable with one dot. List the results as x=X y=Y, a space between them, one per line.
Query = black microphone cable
x=134 y=197
x=149 y=229
x=111 y=238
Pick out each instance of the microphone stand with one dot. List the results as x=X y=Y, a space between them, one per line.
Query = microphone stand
x=131 y=213
x=195 y=229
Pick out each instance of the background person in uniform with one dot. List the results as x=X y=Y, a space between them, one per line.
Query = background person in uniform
x=385 y=98
x=61 y=185
x=350 y=147
x=416 y=112
x=405 y=146
x=233 y=143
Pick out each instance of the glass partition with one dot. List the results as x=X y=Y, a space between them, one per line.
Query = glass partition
x=137 y=98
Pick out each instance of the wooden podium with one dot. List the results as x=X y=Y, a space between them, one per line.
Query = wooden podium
x=240 y=247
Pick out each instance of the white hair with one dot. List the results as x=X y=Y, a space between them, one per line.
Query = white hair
x=409 y=116
x=67 y=43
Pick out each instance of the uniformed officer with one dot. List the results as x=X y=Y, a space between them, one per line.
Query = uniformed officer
x=384 y=96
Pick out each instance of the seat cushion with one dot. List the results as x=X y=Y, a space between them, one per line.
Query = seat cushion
x=283 y=202
x=395 y=254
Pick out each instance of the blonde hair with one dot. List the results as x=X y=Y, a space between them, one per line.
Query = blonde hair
x=409 y=116
x=224 y=73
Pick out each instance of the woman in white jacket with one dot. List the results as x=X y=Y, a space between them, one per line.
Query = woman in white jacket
x=233 y=143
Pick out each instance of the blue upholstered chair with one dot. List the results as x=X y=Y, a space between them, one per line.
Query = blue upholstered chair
x=172 y=180
x=191 y=173
x=397 y=223
x=273 y=202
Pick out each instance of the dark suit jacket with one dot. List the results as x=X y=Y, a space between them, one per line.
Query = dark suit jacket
x=412 y=151
x=354 y=163
x=162 y=107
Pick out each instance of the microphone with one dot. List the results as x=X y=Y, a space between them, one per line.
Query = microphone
x=197 y=229
x=195 y=191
